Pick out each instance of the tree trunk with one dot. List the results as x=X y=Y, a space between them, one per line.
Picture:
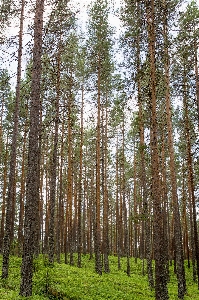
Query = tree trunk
x=33 y=174
x=98 y=264
x=79 y=229
x=60 y=224
x=184 y=218
x=177 y=223
x=54 y=163
x=143 y=165
x=10 y=211
x=117 y=239
x=105 y=196
x=70 y=176
x=3 y=208
x=22 y=196
x=196 y=75
x=190 y=172
x=161 y=292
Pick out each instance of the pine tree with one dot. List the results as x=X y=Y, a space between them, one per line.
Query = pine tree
x=32 y=187
x=99 y=50
x=10 y=212
x=161 y=291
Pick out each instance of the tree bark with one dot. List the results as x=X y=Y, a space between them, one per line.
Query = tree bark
x=98 y=263
x=143 y=165
x=33 y=170
x=3 y=208
x=161 y=292
x=177 y=223
x=79 y=227
x=105 y=195
x=190 y=172
x=22 y=195
x=10 y=211
x=196 y=75
x=53 y=178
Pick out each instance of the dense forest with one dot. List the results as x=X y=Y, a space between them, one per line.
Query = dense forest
x=99 y=135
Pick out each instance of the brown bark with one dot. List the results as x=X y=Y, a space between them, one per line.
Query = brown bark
x=143 y=176
x=79 y=229
x=98 y=264
x=105 y=194
x=1 y=127
x=33 y=171
x=10 y=210
x=37 y=237
x=70 y=176
x=53 y=174
x=117 y=239
x=22 y=195
x=190 y=172
x=196 y=74
x=165 y=200
x=92 y=211
x=177 y=223
x=128 y=226
x=135 y=212
x=121 y=228
x=45 y=250
x=184 y=218
x=3 y=208
x=84 y=212
x=41 y=205
x=60 y=208
x=192 y=242
x=161 y=292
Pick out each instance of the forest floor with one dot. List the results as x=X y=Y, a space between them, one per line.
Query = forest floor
x=62 y=281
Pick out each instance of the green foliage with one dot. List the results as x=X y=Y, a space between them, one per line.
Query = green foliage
x=61 y=281
x=100 y=45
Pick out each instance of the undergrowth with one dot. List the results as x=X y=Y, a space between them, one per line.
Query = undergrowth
x=62 y=281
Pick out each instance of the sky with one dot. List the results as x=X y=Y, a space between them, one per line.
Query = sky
x=82 y=8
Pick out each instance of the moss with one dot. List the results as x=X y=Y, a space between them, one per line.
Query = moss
x=61 y=281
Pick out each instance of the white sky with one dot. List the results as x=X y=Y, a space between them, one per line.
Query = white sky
x=80 y=5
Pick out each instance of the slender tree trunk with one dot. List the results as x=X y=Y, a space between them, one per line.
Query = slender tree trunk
x=10 y=211
x=177 y=223
x=135 y=209
x=53 y=178
x=143 y=166
x=127 y=232
x=165 y=200
x=98 y=263
x=1 y=127
x=79 y=229
x=60 y=201
x=184 y=216
x=33 y=170
x=70 y=176
x=105 y=197
x=161 y=292
x=37 y=237
x=22 y=196
x=121 y=228
x=117 y=209
x=3 y=208
x=46 y=236
x=196 y=74
x=92 y=210
x=41 y=204
x=84 y=213
x=190 y=170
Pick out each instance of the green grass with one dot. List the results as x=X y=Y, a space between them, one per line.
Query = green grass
x=71 y=283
